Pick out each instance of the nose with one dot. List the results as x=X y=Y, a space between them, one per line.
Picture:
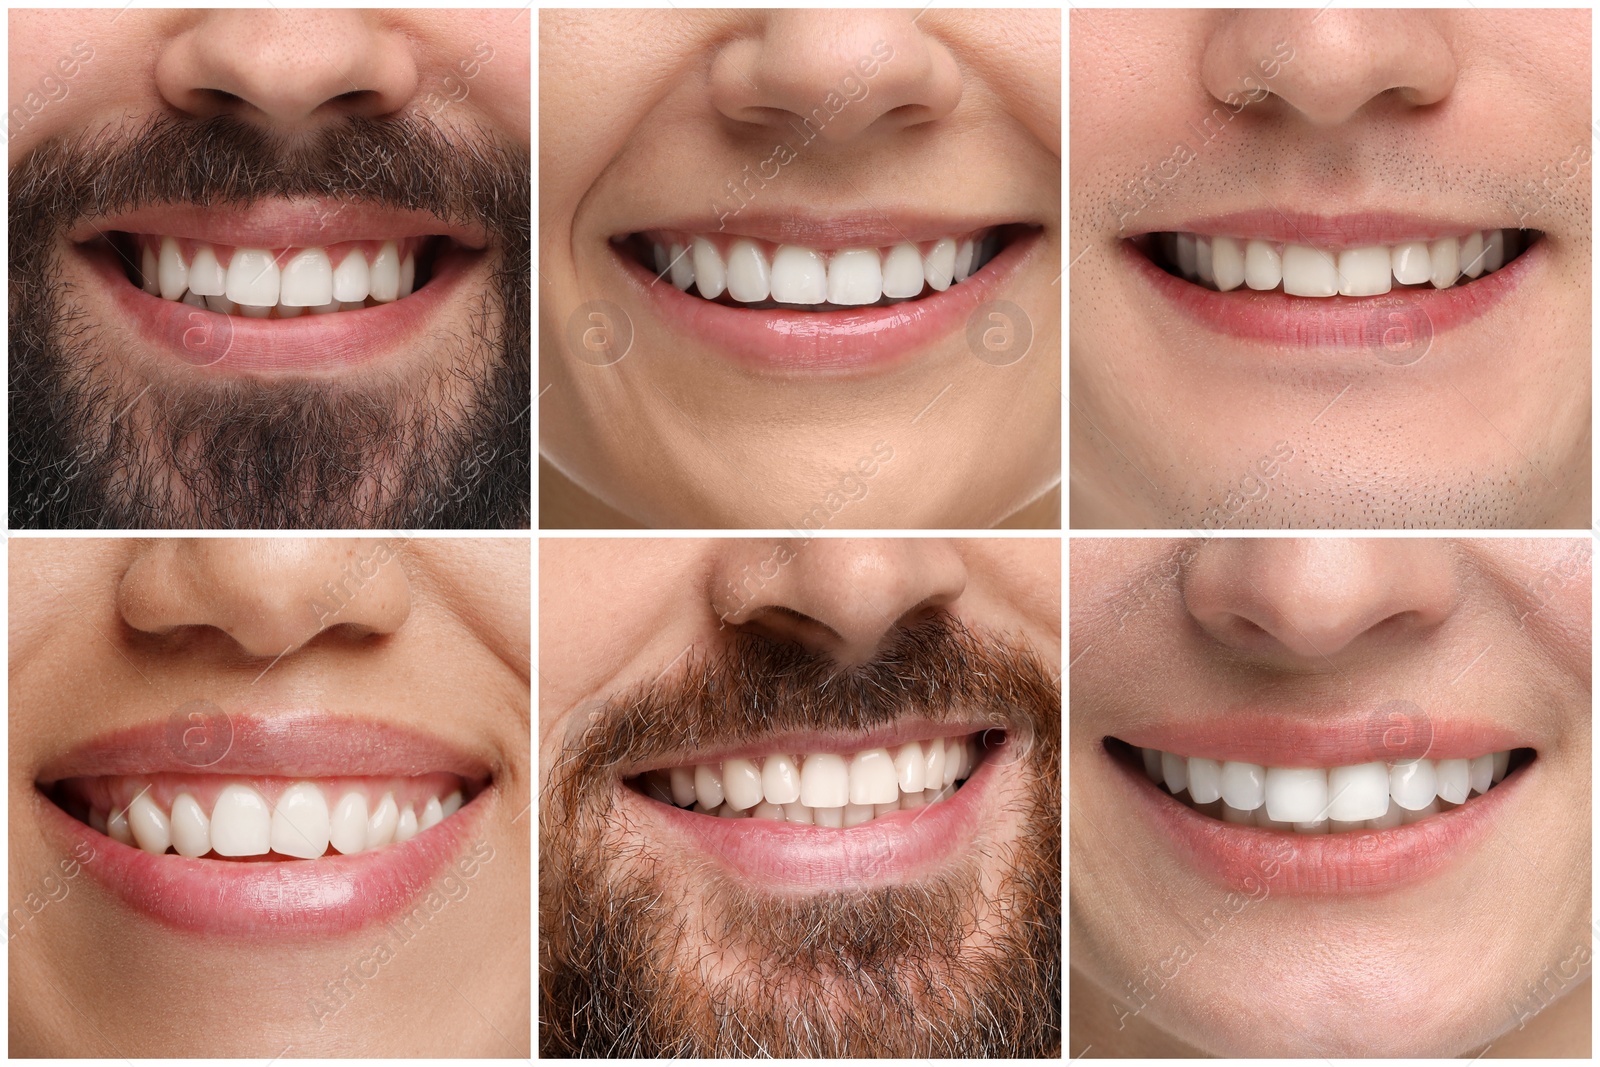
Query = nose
x=835 y=596
x=270 y=596
x=287 y=70
x=1338 y=62
x=1308 y=603
x=825 y=78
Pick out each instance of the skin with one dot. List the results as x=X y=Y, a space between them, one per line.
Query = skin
x=638 y=122
x=1495 y=630
x=105 y=634
x=617 y=614
x=1377 y=110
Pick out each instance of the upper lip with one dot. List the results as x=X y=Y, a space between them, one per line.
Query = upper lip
x=845 y=230
x=808 y=741
x=280 y=223
x=1353 y=230
x=1336 y=738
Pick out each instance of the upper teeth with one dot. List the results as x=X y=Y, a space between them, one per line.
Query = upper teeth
x=791 y=274
x=1225 y=263
x=256 y=281
x=1377 y=795
x=821 y=788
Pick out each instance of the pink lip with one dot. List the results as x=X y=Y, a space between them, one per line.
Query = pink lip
x=1404 y=320
x=828 y=232
x=1246 y=858
x=1272 y=739
x=1332 y=231
x=828 y=342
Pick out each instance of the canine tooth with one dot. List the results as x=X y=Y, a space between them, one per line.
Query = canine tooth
x=408 y=274
x=1297 y=794
x=191 y=827
x=1202 y=260
x=799 y=276
x=149 y=271
x=964 y=260
x=207 y=277
x=682 y=269
x=659 y=255
x=1445 y=256
x=300 y=822
x=855 y=277
x=939 y=268
x=383 y=274
x=241 y=823
x=710 y=277
x=831 y=817
x=1205 y=780
x=824 y=781
x=682 y=786
x=1410 y=263
x=872 y=778
x=956 y=760
x=307 y=279
x=1494 y=250
x=406 y=828
x=799 y=813
x=1502 y=762
x=1309 y=271
x=780 y=780
x=1472 y=255
x=172 y=273
x=352 y=278
x=708 y=784
x=764 y=810
x=1187 y=255
x=432 y=814
x=1453 y=781
x=117 y=827
x=383 y=822
x=910 y=765
x=1227 y=263
x=347 y=826
x=1412 y=783
x=856 y=814
x=1359 y=792
x=934 y=753
x=1263 y=266
x=902 y=272
x=1365 y=271
x=741 y=784
x=149 y=825
x=253 y=277
x=749 y=275
x=1244 y=785
x=1175 y=772
x=1151 y=758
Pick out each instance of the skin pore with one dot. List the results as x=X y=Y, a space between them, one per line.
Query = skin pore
x=1338 y=113
x=647 y=117
x=343 y=127
x=1488 y=951
x=655 y=650
x=429 y=637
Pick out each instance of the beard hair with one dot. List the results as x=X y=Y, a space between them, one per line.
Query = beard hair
x=94 y=443
x=942 y=966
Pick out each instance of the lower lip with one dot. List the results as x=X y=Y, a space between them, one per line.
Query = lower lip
x=1373 y=861
x=1404 y=318
x=828 y=342
x=786 y=856
x=289 y=900
x=235 y=343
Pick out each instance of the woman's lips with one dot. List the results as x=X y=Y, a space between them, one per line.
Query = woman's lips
x=829 y=342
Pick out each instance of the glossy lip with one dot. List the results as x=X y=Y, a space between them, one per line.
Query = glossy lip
x=1410 y=317
x=1330 y=232
x=813 y=741
x=834 y=343
x=1245 y=858
x=279 y=224
x=1334 y=739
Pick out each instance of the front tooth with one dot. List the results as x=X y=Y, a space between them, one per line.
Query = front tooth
x=1452 y=780
x=149 y=825
x=347 y=826
x=1297 y=794
x=1175 y=772
x=1309 y=271
x=406 y=828
x=902 y=272
x=741 y=784
x=117 y=827
x=855 y=277
x=1502 y=761
x=1445 y=256
x=452 y=804
x=1472 y=255
x=799 y=276
x=749 y=276
x=1186 y=255
x=1494 y=250
x=241 y=823
x=149 y=271
x=408 y=274
x=1480 y=773
x=1244 y=785
x=798 y=813
x=432 y=814
x=708 y=784
x=191 y=827
x=1413 y=783
x=873 y=779
x=964 y=261
x=382 y=823
x=207 y=277
x=1266 y=822
x=940 y=266
x=780 y=780
x=1152 y=764
x=824 y=781
x=1411 y=263
x=300 y=822
x=765 y=810
x=172 y=273
x=383 y=275
x=352 y=278
x=831 y=817
x=710 y=277
x=1263 y=266
x=1205 y=780
x=1365 y=271
x=1202 y=260
x=307 y=280
x=1227 y=263
x=253 y=277
x=856 y=814
x=910 y=765
x=682 y=266
x=1359 y=792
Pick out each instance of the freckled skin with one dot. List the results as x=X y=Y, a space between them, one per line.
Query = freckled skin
x=1490 y=428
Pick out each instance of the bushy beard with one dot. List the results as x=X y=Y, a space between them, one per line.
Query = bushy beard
x=95 y=443
x=634 y=962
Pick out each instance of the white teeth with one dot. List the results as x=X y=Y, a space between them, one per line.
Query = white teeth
x=1205 y=780
x=1175 y=772
x=408 y=274
x=1263 y=266
x=799 y=276
x=662 y=260
x=351 y=279
x=903 y=274
x=307 y=280
x=682 y=786
x=191 y=827
x=873 y=779
x=749 y=276
x=681 y=270
x=382 y=823
x=856 y=815
x=1365 y=271
x=1152 y=765
x=855 y=277
x=241 y=823
x=741 y=784
x=710 y=278
x=1297 y=794
x=173 y=273
x=935 y=753
x=799 y=813
x=253 y=278
x=833 y=818
x=1410 y=263
x=1446 y=261
x=708 y=784
x=406 y=828
x=1309 y=271
x=824 y=781
x=966 y=256
x=300 y=822
x=432 y=815
x=1203 y=260
x=1495 y=245
x=149 y=825
x=1244 y=785
x=1480 y=773
x=1227 y=263
x=150 y=271
x=911 y=767
x=940 y=266
x=780 y=781
x=347 y=826
x=1359 y=792
x=1412 y=783
x=764 y=810
x=1502 y=760
x=117 y=827
x=384 y=274
x=207 y=276
x=1451 y=779
x=1472 y=255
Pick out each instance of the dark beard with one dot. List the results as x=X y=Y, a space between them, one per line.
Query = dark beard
x=940 y=967
x=96 y=445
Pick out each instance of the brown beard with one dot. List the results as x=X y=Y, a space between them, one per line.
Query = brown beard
x=964 y=963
